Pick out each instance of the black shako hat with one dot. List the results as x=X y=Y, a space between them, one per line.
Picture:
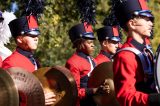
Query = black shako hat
x=127 y=9
x=25 y=25
x=109 y=33
x=83 y=30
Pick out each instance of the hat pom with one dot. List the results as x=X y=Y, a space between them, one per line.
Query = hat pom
x=87 y=9
x=5 y=33
x=33 y=7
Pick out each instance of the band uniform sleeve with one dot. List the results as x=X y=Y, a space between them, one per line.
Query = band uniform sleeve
x=76 y=73
x=6 y=64
x=125 y=77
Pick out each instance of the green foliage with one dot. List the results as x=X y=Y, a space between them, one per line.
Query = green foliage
x=59 y=15
x=55 y=46
x=155 y=7
x=4 y=4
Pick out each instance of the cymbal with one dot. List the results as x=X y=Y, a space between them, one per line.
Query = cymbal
x=8 y=91
x=59 y=80
x=103 y=72
x=29 y=88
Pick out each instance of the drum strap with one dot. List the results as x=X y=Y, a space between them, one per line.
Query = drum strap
x=92 y=63
x=146 y=68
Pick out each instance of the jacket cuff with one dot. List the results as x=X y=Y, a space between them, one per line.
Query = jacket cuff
x=154 y=99
x=89 y=91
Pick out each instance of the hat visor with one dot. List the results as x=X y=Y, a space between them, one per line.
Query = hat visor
x=146 y=13
x=34 y=33
x=116 y=39
x=88 y=36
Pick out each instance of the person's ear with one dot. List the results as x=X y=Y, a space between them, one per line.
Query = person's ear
x=131 y=23
x=19 y=39
x=82 y=45
x=105 y=42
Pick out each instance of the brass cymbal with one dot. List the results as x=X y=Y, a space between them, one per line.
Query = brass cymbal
x=103 y=72
x=29 y=88
x=8 y=91
x=59 y=80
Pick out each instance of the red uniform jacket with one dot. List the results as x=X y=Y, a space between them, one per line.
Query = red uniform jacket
x=80 y=67
x=103 y=57
x=18 y=60
x=128 y=73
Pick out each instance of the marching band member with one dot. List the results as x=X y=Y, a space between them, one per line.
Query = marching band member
x=109 y=39
x=81 y=63
x=26 y=34
x=133 y=64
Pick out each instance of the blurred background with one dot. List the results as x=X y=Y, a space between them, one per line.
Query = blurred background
x=59 y=16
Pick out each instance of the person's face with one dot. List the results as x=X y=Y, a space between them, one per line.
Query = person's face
x=88 y=46
x=110 y=46
x=28 y=43
x=143 y=26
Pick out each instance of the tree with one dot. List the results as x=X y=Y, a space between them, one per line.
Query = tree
x=155 y=7
x=59 y=15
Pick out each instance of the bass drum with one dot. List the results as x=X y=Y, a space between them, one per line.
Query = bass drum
x=103 y=72
x=59 y=80
x=157 y=69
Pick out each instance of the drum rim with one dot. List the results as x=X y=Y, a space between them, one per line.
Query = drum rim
x=157 y=79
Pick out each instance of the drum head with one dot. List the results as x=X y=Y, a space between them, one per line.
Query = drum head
x=59 y=80
x=103 y=72
x=29 y=88
x=157 y=70
x=8 y=91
